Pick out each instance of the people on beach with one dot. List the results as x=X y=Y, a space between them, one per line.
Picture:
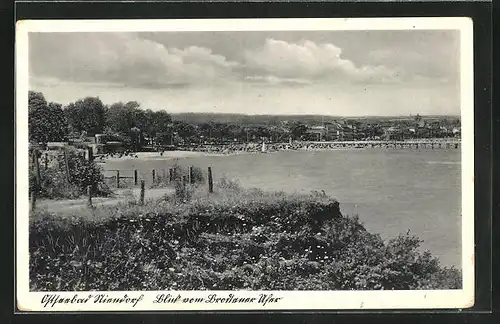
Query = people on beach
x=292 y=146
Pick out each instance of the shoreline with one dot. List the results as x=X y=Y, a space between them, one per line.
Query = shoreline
x=182 y=154
x=253 y=148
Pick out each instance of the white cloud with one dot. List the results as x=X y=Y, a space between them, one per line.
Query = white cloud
x=274 y=80
x=133 y=61
x=277 y=77
x=127 y=59
x=310 y=60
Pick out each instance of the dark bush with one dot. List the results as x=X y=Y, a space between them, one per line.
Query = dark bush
x=244 y=240
x=82 y=173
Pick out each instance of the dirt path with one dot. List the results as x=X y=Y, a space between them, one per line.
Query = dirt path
x=120 y=196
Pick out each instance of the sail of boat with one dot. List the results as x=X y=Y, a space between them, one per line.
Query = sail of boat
x=263 y=147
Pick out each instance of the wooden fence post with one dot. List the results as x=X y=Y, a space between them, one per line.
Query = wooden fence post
x=68 y=176
x=135 y=177
x=89 y=196
x=33 y=200
x=210 y=181
x=191 y=178
x=90 y=153
x=36 y=185
x=142 y=192
x=46 y=162
x=117 y=178
x=37 y=168
x=170 y=175
x=153 y=173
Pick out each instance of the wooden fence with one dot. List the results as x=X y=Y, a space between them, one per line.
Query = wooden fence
x=171 y=178
x=168 y=176
x=132 y=177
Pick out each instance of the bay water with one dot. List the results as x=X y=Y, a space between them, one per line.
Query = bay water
x=393 y=191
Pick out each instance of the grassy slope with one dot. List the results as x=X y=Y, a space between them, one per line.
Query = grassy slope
x=233 y=239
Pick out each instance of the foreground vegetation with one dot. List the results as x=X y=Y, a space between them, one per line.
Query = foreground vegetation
x=233 y=239
x=61 y=181
x=57 y=181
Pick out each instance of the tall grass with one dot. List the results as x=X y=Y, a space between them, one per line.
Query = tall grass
x=232 y=239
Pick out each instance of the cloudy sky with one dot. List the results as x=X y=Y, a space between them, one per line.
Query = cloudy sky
x=342 y=73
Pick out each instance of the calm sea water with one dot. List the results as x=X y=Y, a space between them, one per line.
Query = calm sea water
x=392 y=191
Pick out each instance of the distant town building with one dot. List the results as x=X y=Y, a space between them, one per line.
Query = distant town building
x=332 y=131
x=394 y=134
x=51 y=146
x=335 y=131
x=317 y=133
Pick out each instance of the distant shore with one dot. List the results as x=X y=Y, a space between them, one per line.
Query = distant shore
x=237 y=149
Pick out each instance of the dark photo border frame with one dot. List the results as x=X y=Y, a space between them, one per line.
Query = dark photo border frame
x=480 y=12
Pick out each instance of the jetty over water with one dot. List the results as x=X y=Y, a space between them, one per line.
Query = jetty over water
x=408 y=144
x=310 y=145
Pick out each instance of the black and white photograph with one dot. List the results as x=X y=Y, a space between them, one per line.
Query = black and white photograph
x=245 y=164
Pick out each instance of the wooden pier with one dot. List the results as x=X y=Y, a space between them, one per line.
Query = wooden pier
x=408 y=144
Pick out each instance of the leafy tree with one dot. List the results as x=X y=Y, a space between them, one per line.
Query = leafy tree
x=46 y=121
x=298 y=130
x=220 y=131
x=118 y=119
x=86 y=115
x=122 y=117
x=206 y=129
x=149 y=126
x=157 y=122
x=261 y=131
x=184 y=130
x=236 y=132
x=278 y=133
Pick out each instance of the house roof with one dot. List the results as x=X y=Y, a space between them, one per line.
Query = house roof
x=317 y=127
x=334 y=125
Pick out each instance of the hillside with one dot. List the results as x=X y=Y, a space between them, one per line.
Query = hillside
x=232 y=240
x=234 y=118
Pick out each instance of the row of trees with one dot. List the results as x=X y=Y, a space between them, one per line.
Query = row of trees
x=51 y=122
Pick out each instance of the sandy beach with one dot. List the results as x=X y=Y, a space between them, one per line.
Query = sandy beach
x=167 y=155
x=171 y=155
x=253 y=148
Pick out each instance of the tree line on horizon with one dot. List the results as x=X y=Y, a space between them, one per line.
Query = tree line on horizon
x=53 y=122
x=308 y=119
x=129 y=123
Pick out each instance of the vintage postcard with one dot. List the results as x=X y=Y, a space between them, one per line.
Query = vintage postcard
x=244 y=164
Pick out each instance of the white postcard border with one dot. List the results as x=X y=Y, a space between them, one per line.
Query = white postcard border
x=352 y=300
